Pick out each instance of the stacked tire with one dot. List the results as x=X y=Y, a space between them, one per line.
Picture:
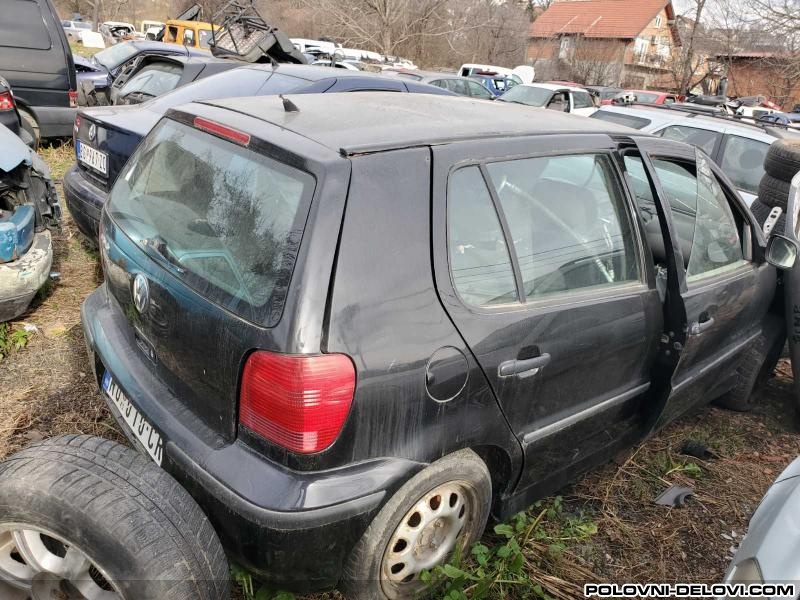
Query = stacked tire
x=780 y=165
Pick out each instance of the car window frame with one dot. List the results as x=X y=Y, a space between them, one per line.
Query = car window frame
x=570 y=297
x=735 y=203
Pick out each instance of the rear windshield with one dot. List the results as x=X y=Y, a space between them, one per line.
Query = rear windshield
x=115 y=55
x=228 y=220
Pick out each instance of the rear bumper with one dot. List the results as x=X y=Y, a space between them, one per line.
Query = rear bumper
x=21 y=279
x=293 y=528
x=84 y=201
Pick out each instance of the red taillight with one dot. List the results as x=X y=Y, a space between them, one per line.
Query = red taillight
x=6 y=101
x=299 y=402
x=73 y=99
x=228 y=133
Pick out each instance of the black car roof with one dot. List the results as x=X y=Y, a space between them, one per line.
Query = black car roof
x=372 y=121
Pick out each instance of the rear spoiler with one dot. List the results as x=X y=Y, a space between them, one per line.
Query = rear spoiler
x=243 y=34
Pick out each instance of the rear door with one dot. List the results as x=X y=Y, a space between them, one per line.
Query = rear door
x=540 y=265
x=725 y=292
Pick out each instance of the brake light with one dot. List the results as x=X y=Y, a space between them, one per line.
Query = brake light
x=234 y=135
x=73 y=99
x=299 y=402
x=6 y=101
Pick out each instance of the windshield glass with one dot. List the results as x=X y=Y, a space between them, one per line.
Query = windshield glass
x=527 y=94
x=115 y=55
x=228 y=220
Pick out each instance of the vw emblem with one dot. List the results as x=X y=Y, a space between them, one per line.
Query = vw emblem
x=141 y=293
x=92 y=132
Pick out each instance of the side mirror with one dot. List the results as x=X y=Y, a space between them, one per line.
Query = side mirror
x=781 y=252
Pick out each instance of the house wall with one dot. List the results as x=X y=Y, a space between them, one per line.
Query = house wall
x=770 y=77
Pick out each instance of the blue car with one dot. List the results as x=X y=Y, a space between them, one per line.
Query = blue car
x=497 y=84
x=105 y=137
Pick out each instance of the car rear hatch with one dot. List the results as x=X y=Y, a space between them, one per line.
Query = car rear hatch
x=106 y=137
x=199 y=241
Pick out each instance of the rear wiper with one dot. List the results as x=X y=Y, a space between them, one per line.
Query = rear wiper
x=159 y=244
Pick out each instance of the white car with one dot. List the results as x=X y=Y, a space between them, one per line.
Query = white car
x=562 y=98
x=520 y=74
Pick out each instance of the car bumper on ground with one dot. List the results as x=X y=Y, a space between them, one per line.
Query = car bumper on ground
x=768 y=553
x=22 y=278
x=84 y=201
x=293 y=528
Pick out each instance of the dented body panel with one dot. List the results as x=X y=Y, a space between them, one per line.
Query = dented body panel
x=22 y=278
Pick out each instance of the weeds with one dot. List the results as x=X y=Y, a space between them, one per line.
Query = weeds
x=509 y=568
x=12 y=339
x=248 y=587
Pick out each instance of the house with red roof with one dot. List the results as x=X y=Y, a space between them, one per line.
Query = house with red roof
x=627 y=43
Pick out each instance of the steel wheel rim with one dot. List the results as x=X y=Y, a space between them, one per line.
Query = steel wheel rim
x=36 y=564
x=426 y=536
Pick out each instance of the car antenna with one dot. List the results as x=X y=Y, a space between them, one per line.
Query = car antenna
x=288 y=105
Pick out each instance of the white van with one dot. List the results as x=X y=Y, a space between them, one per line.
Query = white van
x=520 y=74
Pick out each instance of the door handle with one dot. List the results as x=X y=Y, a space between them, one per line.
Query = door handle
x=699 y=327
x=525 y=366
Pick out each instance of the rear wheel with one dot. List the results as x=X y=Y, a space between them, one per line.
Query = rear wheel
x=83 y=518
x=443 y=507
x=31 y=125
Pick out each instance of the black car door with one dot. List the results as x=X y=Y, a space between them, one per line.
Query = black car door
x=724 y=290
x=540 y=264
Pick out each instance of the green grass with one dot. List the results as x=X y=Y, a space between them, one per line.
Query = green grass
x=83 y=50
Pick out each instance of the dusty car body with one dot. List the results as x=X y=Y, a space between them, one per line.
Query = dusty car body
x=444 y=319
x=767 y=553
x=28 y=207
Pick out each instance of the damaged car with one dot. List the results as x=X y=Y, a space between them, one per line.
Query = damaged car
x=349 y=327
x=28 y=209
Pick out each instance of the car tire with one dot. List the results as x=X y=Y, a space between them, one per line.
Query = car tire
x=783 y=160
x=754 y=369
x=31 y=125
x=461 y=479
x=761 y=212
x=131 y=528
x=773 y=191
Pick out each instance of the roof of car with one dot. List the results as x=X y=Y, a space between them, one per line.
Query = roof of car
x=361 y=122
x=553 y=86
x=661 y=115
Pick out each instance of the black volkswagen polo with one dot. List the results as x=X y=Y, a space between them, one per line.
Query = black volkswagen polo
x=353 y=327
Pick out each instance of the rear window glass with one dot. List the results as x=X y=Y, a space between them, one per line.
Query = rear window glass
x=242 y=81
x=114 y=56
x=743 y=162
x=26 y=29
x=153 y=80
x=228 y=220
x=620 y=119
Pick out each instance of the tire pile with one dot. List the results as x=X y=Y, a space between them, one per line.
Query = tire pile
x=781 y=165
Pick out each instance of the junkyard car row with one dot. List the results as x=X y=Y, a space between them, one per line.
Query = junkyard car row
x=341 y=331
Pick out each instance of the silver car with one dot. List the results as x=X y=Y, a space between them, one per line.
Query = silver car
x=738 y=147
x=769 y=551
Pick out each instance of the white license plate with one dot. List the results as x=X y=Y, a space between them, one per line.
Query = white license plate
x=142 y=430
x=91 y=157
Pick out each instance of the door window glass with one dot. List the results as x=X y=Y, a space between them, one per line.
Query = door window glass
x=702 y=138
x=478 y=91
x=23 y=26
x=458 y=86
x=743 y=162
x=479 y=259
x=188 y=37
x=582 y=100
x=559 y=102
x=704 y=223
x=567 y=219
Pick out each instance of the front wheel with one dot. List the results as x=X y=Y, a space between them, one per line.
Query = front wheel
x=83 y=518
x=443 y=507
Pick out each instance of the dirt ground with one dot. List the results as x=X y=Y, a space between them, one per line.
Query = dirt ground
x=47 y=389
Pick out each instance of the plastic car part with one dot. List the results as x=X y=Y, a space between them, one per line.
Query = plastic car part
x=697 y=449
x=245 y=35
x=674 y=495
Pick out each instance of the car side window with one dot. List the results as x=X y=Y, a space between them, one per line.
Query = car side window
x=188 y=37
x=559 y=102
x=707 y=231
x=582 y=100
x=567 y=219
x=479 y=260
x=476 y=90
x=701 y=138
x=458 y=86
x=743 y=162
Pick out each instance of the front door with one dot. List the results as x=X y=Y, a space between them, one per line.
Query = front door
x=725 y=293
x=540 y=265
